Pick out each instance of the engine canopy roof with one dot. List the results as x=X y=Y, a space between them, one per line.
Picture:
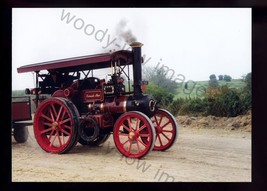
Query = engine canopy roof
x=81 y=63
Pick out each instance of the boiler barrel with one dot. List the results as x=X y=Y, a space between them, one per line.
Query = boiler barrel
x=145 y=104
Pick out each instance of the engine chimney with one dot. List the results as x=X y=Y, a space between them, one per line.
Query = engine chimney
x=137 y=69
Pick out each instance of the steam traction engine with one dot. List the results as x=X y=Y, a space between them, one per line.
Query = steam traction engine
x=74 y=106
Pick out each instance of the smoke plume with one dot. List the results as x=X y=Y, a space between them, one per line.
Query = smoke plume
x=123 y=33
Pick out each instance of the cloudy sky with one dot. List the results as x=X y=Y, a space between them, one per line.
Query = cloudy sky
x=192 y=42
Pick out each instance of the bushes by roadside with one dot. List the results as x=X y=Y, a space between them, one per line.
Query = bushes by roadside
x=220 y=101
x=227 y=102
x=160 y=94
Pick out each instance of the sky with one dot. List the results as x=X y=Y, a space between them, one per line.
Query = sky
x=193 y=43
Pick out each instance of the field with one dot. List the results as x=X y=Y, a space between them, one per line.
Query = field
x=195 y=89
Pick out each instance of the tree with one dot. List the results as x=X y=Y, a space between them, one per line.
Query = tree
x=220 y=77
x=158 y=76
x=213 y=81
x=227 y=78
x=159 y=93
x=213 y=76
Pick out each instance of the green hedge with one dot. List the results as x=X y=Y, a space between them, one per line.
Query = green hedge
x=221 y=101
x=160 y=94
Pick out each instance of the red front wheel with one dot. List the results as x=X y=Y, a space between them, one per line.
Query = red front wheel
x=166 y=129
x=129 y=130
x=56 y=125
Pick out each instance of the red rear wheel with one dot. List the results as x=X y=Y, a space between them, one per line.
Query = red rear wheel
x=128 y=132
x=56 y=125
x=166 y=129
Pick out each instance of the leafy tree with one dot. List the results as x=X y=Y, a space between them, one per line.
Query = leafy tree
x=160 y=94
x=158 y=76
x=227 y=78
x=220 y=77
x=213 y=81
x=223 y=101
x=213 y=76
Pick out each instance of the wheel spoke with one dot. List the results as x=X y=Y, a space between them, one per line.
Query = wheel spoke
x=59 y=140
x=51 y=134
x=44 y=116
x=138 y=147
x=125 y=142
x=67 y=127
x=130 y=147
x=156 y=120
x=64 y=121
x=160 y=141
x=165 y=124
x=47 y=124
x=137 y=124
x=63 y=115
x=51 y=143
x=63 y=137
x=141 y=142
x=59 y=112
x=127 y=128
x=46 y=130
x=166 y=136
x=129 y=123
x=51 y=114
x=141 y=128
x=160 y=120
x=54 y=110
x=144 y=135
x=63 y=131
x=123 y=134
x=167 y=131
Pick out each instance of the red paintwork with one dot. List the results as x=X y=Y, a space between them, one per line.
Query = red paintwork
x=21 y=108
x=80 y=63
x=128 y=132
x=118 y=105
x=166 y=130
x=92 y=95
x=55 y=127
x=59 y=93
x=104 y=120
x=21 y=111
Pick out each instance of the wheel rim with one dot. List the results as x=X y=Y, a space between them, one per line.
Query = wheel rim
x=129 y=130
x=166 y=130
x=55 y=127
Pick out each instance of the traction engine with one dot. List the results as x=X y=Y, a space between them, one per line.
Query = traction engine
x=89 y=110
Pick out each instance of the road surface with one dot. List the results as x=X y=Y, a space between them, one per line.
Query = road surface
x=199 y=155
